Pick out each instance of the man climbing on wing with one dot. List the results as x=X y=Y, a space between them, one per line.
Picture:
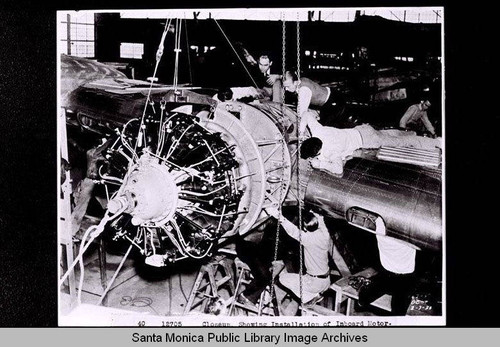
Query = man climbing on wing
x=329 y=147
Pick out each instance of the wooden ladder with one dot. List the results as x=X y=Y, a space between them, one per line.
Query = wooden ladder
x=206 y=287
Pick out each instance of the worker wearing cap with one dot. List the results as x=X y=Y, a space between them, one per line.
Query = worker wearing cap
x=417 y=115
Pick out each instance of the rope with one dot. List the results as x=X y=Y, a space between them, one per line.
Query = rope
x=91 y=232
x=159 y=54
x=237 y=55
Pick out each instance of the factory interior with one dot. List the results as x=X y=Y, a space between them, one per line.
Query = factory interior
x=176 y=203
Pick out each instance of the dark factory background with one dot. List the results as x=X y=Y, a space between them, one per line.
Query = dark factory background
x=365 y=59
x=333 y=42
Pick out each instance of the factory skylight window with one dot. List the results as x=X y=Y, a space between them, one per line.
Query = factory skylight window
x=131 y=50
x=77 y=34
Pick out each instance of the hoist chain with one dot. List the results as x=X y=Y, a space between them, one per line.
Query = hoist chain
x=283 y=55
x=299 y=136
x=282 y=139
x=298 y=46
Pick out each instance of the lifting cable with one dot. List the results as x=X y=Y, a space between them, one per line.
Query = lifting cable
x=188 y=50
x=177 y=50
x=159 y=54
x=237 y=55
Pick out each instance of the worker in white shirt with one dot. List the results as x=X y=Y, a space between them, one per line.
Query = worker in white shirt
x=237 y=93
x=396 y=277
x=309 y=93
x=317 y=244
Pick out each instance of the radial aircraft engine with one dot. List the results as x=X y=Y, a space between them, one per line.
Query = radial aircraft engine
x=184 y=173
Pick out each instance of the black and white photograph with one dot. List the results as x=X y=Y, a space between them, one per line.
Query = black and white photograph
x=251 y=167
